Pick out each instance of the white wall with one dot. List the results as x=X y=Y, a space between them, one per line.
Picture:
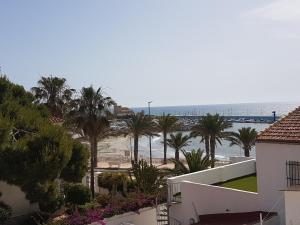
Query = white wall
x=13 y=196
x=218 y=174
x=292 y=209
x=271 y=173
x=146 y=216
x=210 y=199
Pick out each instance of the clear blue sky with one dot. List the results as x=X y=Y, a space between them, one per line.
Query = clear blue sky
x=174 y=52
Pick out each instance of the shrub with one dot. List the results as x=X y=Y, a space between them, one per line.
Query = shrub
x=103 y=200
x=113 y=182
x=77 y=194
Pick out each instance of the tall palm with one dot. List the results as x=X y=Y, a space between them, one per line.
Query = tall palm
x=54 y=93
x=216 y=125
x=195 y=162
x=178 y=142
x=166 y=124
x=139 y=125
x=201 y=129
x=245 y=138
x=90 y=118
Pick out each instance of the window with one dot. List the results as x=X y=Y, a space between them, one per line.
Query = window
x=292 y=173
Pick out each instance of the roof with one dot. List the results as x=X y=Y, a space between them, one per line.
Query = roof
x=286 y=130
x=249 y=218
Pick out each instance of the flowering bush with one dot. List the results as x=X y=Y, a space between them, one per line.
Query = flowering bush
x=116 y=206
x=88 y=217
x=132 y=203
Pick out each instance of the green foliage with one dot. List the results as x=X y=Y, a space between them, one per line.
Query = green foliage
x=5 y=131
x=33 y=152
x=90 y=118
x=5 y=212
x=139 y=125
x=178 y=142
x=149 y=179
x=78 y=164
x=14 y=92
x=245 y=138
x=55 y=94
x=166 y=124
x=77 y=194
x=195 y=162
x=103 y=200
x=112 y=181
x=212 y=129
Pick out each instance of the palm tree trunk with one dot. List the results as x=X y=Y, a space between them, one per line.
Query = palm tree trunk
x=206 y=141
x=177 y=154
x=136 y=149
x=93 y=143
x=95 y=154
x=212 y=150
x=165 y=147
x=247 y=152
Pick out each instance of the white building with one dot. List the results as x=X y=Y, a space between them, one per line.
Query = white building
x=277 y=167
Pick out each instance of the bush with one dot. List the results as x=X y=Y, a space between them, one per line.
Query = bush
x=103 y=200
x=5 y=212
x=113 y=182
x=77 y=194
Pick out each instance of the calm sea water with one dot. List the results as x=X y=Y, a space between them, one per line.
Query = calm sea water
x=223 y=151
x=244 y=109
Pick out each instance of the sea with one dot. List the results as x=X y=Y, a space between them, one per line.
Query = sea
x=223 y=150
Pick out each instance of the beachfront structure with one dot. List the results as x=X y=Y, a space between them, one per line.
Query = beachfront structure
x=120 y=111
x=201 y=198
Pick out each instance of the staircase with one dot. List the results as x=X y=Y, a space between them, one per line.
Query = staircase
x=162 y=215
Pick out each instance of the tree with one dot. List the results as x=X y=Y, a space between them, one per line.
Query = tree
x=195 y=162
x=33 y=152
x=217 y=126
x=178 y=142
x=90 y=118
x=201 y=129
x=149 y=179
x=166 y=124
x=54 y=93
x=138 y=125
x=245 y=138
x=78 y=164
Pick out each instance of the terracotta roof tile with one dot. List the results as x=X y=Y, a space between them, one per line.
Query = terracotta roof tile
x=286 y=130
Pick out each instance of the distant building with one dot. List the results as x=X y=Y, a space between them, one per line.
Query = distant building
x=120 y=111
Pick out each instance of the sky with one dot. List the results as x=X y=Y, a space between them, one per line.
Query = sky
x=171 y=52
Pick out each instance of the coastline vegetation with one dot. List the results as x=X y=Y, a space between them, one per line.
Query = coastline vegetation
x=48 y=160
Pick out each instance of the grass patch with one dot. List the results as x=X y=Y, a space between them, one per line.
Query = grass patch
x=248 y=183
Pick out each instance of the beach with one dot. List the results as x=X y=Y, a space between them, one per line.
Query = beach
x=117 y=152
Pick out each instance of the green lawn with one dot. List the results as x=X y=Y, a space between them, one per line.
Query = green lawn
x=248 y=183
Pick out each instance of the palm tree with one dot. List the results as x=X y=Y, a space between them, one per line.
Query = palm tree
x=216 y=126
x=245 y=138
x=195 y=162
x=201 y=129
x=139 y=125
x=166 y=124
x=54 y=93
x=178 y=142
x=90 y=118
